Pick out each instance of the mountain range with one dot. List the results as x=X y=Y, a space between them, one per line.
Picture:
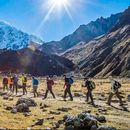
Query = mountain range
x=84 y=33
x=106 y=55
x=99 y=49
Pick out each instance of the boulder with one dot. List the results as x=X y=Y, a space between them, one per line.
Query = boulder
x=28 y=101
x=101 y=119
x=23 y=107
x=106 y=128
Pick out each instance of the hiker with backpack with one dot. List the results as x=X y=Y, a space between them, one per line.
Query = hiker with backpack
x=15 y=84
x=24 y=83
x=35 y=84
x=50 y=83
x=115 y=85
x=90 y=85
x=67 y=85
x=5 y=83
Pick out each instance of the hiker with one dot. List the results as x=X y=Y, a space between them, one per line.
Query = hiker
x=90 y=86
x=5 y=83
x=15 y=84
x=35 y=83
x=49 y=83
x=24 y=83
x=67 y=86
x=115 y=85
x=10 y=83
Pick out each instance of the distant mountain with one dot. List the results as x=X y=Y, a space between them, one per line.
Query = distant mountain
x=12 y=38
x=106 y=55
x=33 y=62
x=84 y=33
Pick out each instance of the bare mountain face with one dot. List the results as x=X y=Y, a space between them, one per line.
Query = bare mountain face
x=84 y=33
x=33 y=62
x=106 y=55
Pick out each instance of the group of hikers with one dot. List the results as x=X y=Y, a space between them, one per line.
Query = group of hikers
x=10 y=84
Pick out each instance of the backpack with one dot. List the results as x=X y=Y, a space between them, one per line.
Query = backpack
x=93 y=85
x=25 y=79
x=71 y=81
x=36 y=82
x=117 y=85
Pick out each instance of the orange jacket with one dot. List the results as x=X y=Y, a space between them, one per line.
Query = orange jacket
x=10 y=81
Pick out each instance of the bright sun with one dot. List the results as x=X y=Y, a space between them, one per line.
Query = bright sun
x=58 y=4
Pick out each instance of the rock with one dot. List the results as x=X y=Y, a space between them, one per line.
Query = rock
x=63 y=109
x=55 y=112
x=70 y=127
x=10 y=98
x=8 y=108
x=47 y=128
x=50 y=117
x=28 y=101
x=44 y=110
x=5 y=97
x=94 y=127
x=56 y=125
x=106 y=128
x=14 y=111
x=77 y=94
x=101 y=119
x=61 y=122
x=40 y=104
x=26 y=114
x=39 y=122
x=128 y=98
x=23 y=107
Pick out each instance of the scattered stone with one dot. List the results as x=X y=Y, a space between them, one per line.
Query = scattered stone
x=47 y=128
x=10 y=98
x=39 y=122
x=28 y=101
x=63 y=109
x=55 y=112
x=106 y=128
x=101 y=119
x=94 y=127
x=77 y=94
x=50 y=117
x=128 y=98
x=8 y=108
x=5 y=97
x=44 y=110
x=26 y=114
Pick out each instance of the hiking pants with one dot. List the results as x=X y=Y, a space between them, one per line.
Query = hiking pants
x=51 y=91
x=89 y=95
x=118 y=96
x=35 y=91
x=24 y=89
x=5 y=87
x=68 y=91
x=15 y=88
x=10 y=87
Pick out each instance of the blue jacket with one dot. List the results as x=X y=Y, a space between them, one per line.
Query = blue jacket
x=35 y=82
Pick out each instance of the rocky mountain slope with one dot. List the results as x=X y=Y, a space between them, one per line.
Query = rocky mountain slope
x=107 y=55
x=33 y=62
x=84 y=33
x=12 y=38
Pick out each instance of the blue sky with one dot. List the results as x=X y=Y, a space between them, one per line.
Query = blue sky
x=28 y=15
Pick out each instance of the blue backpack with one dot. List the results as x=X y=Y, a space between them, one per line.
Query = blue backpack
x=71 y=81
x=35 y=82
